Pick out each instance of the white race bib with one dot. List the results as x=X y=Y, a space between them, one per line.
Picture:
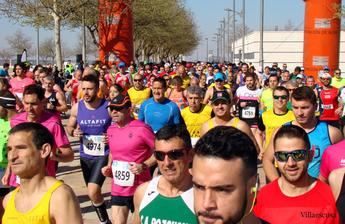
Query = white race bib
x=248 y=112
x=327 y=106
x=121 y=174
x=20 y=96
x=93 y=145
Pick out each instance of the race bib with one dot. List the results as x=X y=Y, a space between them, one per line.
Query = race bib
x=20 y=96
x=121 y=174
x=327 y=106
x=248 y=112
x=93 y=145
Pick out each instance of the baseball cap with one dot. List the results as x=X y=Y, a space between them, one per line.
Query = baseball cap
x=120 y=101
x=220 y=95
x=219 y=76
x=121 y=65
x=325 y=68
x=8 y=100
x=299 y=76
x=325 y=75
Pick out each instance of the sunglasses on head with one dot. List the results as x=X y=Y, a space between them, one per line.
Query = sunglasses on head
x=283 y=97
x=296 y=155
x=174 y=154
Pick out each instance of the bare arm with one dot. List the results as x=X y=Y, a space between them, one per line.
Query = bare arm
x=70 y=211
x=204 y=128
x=68 y=85
x=335 y=180
x=65 y=154
x=72 y=121
x=335 y=134
x=208 y=95
x=268 y=161
x=138 y=197
x=62 y=106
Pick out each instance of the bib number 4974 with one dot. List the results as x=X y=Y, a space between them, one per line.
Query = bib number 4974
x=93 y=145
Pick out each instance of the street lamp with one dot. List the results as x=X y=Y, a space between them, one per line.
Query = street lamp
x=206 y=49
x=229 y=41
x=242 y=15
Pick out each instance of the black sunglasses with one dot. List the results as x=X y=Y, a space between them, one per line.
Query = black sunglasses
x=296 y=155
x=137 y=80
x=283 y=97
x=174 y=154
x=116 y=108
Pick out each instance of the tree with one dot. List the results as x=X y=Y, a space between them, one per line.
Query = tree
x=18 y=42
x=42 y=13
x=5 y=54
x=47 y=50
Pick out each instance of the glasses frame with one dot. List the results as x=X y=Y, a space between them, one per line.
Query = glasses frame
x=293 y=154
x=174 y=154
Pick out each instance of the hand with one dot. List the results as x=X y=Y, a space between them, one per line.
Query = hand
x=339 y=111
x=243 y=104
x=136 y=168
x=77 y=133
x=6 y=178
x=105 y=139
x=106 y=171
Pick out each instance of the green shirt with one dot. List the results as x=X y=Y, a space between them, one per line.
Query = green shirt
x=158 y=209
x=4 y=129
x=267 y=99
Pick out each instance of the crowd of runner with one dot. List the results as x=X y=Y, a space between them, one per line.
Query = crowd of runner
x=181 y=142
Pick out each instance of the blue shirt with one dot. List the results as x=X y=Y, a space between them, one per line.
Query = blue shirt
x=157 y=115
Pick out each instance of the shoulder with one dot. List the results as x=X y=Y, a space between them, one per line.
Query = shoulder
x=140 y=191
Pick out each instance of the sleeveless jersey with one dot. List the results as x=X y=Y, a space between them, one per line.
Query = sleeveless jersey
x=178 y=98
x=234 y=123
x=93 y=123
x=319 y=141
x=273 y=121
x=329 y=103
x=39 y=214
x=156 y=208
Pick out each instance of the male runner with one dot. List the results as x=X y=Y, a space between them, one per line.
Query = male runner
x=34 y=105
x=320 y=134
x=271 y=119
x=196 y=113
x=131 y=145
x=39 y=199
x=89 y=121
x=159 y=111
x=138 y=93
x=223 y=195
x=56 y=101
x=168 y=198
x=221 y=104
x=297 y=196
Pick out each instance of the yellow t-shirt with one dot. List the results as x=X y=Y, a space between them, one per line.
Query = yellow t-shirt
x=338 y=83
x=37 y=215
x=273 y=121
x=194 y=121
x=267 y=98
x=137 y=98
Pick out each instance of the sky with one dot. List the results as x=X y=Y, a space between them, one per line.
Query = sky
x=207 y=14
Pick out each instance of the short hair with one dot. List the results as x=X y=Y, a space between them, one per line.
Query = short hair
x=292 y=131
x=171 y=131
x=304 y=93
x=40 y=135
x=117 y=87
x=91 y=78
x=292 y=82
x=5 y=65
x=49 y=78
x=160 y=80
x=281 y=88
x=228 y=143
x=252 y=75
x=45 y=70
x=34 y=89
x=274 y=75
x=195 y=90
x=177 y=80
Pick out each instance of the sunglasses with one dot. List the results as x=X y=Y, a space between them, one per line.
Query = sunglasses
x=116 y=108
x=137 y=80
x=337 y=73
x=296 y=155
x=283 y=97
x=174 y=154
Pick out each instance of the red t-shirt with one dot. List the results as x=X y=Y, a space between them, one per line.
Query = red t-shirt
x=317 y=206
x=329 y=103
